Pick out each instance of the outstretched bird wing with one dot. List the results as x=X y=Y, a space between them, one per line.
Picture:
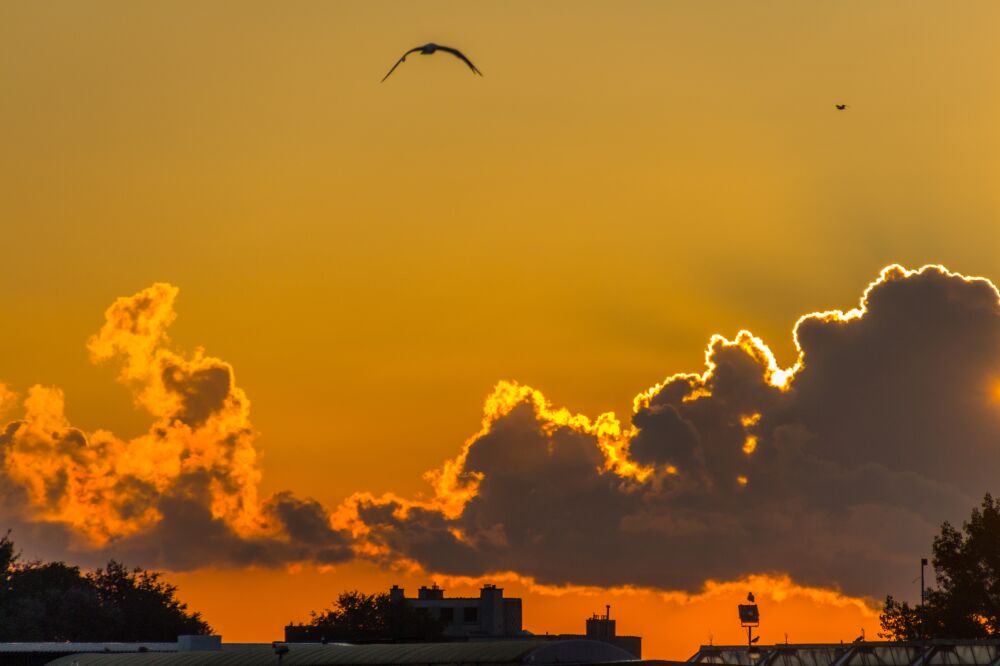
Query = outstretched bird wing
x=459 y=54
x=401 y=59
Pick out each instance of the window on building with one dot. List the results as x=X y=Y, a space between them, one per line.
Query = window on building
x=470 y=614
x=448 y=614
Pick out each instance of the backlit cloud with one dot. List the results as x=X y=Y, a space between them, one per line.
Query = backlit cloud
x=182 y=495
x=837 y=470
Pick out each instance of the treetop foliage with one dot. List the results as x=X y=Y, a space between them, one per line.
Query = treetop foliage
x=965 y=603
x=371 y=618
x=54 y=601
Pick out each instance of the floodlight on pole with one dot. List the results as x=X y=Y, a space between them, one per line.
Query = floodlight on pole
x=750 y=618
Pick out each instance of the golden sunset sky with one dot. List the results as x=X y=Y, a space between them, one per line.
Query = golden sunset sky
x=626 y=180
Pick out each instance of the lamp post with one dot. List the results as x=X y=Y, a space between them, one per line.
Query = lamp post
x=923 y=599
x=923 y=588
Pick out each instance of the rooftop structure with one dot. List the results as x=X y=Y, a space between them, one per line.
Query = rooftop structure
x=984 y=652
x=496 y=653
x=37 y=653
x=602 y=628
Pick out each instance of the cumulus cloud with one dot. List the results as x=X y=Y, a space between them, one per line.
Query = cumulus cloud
x=182 y=495
x=837 y=470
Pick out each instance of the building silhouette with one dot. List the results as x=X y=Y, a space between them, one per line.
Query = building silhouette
x=602 y=628
x=490 y=615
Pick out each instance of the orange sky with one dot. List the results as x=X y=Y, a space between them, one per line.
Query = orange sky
x=672 y=625
x=627 y=179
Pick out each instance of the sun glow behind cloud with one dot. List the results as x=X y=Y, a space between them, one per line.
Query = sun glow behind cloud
x=655 y=492
x=744 y=422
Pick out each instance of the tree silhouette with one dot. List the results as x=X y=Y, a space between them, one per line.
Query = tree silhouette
x=966 y=600
x=53 y=601
x=138 y=603
x=49 y=602
x=371 y=618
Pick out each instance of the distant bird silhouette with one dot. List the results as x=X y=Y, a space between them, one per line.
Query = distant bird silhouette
x=429 y=49
x=754 y=639
x=841 y=107
x=750 y=597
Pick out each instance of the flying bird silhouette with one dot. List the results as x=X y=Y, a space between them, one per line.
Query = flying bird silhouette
x=841 y=107
x=429 y=49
